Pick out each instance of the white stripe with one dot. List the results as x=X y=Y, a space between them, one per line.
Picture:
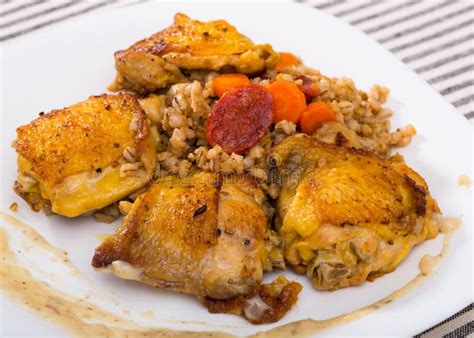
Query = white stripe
x=388 y=11
x=404 y=26
x=40 y=20
x=450 y=82
x=352 y=4
x=434 y=43
x=8 y=6
x=314 y=2
x=25 y=11
x=440 y=55
x=432 y=35
x=426 y=31
x=354 y=7
x=469 y=75
x=459 y=95
x=44 y=18
x=452 y=73
x=35 y=10
x=334 y=4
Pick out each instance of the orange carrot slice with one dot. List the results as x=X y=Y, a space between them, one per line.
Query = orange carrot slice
x=224 y=82
x=286 y=60
x=315 y=115
x=289 y=101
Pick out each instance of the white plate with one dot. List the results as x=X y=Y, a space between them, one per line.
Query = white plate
x=66 y=63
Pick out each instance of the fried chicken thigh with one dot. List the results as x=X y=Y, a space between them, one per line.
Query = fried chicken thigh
x=201 y=235
x=159 y=61
x=86 y=156
x=345 y=215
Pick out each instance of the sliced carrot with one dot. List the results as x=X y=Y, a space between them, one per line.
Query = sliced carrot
x=315 y=114
x=286 y=60
x=289 y=101
x=224 y=82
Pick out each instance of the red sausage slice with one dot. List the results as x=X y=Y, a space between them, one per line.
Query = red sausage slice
x=240 y=118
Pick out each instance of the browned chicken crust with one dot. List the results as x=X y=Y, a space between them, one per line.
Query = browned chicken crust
x=201 y=235
x=346 y=215
x=65 y=148
x=85 y=136
x=158 y=61
x=267 y=304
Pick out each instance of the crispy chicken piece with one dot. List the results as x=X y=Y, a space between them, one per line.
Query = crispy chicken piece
x=267 y=304
x=86 y=156
x=201 y=235
x=158 y=61
x=346 y=215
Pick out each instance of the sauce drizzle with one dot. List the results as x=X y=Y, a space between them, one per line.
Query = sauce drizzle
x=81 y=317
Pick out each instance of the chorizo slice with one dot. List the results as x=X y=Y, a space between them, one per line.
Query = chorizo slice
x=240 y=118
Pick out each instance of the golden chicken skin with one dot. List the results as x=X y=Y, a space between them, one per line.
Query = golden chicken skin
x=345 y=215
x=86 y=156
x=202 y=235
x=159 y=61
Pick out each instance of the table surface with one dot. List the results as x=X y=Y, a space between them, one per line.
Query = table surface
x=434 y=38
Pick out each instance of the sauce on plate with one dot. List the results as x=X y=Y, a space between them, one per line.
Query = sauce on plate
x=81 y=317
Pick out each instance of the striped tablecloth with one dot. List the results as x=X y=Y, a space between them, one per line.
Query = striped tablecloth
x=434 y=38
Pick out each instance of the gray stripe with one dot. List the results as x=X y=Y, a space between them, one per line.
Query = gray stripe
x=426 y=24
x=453 y=317
x=329 y=4
x=463 y=101
x=47 y=23
x=456 y=87
x=383 y=12
x=35 y=15
x=19 y=8
x=432 y=36
x=470 y=115
x=2 y=2
x=432 y=50
x=451 y=74
x=135 y=3
x=356 y=8
x=408 y=17
x=444 y=61
x=462 y=331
